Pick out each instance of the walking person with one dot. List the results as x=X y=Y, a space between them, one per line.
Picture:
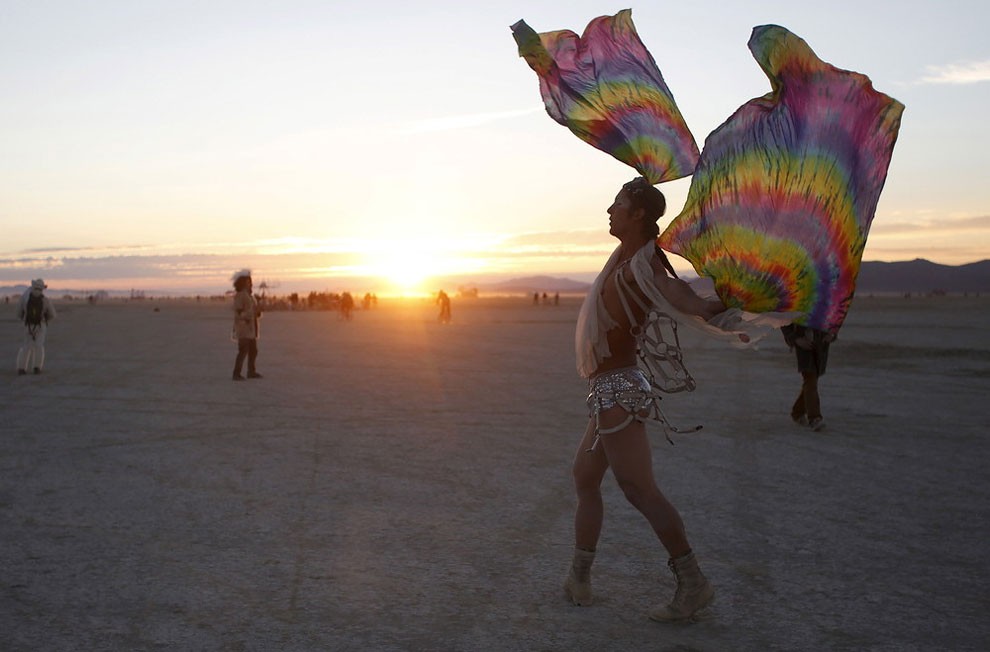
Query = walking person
x=637 y=274
x=443 y=299
x=247 y=312
x=34 y=310
x=810 y=347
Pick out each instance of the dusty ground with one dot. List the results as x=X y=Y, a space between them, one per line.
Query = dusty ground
x=396 y=484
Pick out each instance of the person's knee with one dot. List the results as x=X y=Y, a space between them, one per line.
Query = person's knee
x=586 y=480
x=637 y=493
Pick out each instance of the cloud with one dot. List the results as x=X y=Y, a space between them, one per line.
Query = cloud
x=452 y=122
x=941 y=226
x=204 y=271
x=967 y=72
x=579 y=238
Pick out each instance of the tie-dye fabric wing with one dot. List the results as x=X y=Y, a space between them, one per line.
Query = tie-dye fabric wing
x=782 y=200
x=606 y=88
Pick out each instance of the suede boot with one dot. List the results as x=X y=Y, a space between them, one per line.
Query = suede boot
x=693 y=593
x=578 y=583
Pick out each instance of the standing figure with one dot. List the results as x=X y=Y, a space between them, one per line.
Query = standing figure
x=444 y=300
x=35 y=311
x=346 y=305
x=247 y=312
x=810 y=347
x=616 y=435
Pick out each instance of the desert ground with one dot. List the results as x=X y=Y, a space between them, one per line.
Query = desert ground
x=394 y=483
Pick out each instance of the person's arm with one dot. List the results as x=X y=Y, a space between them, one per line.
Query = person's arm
x=681 y=296
x=678 y=293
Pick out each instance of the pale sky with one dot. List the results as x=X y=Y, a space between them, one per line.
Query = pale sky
x=165 y=144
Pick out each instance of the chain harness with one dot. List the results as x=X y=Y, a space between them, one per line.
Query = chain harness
x=659 y=350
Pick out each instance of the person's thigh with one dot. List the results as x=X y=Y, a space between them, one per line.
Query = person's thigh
x=589 y=465
x=627 y=451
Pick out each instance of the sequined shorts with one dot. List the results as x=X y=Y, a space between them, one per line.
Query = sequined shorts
x=627 y=387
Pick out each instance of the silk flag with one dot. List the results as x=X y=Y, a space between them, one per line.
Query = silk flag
x=782 y=200
x=606 y=88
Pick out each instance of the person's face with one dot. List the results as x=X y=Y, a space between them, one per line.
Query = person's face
x=624 y=221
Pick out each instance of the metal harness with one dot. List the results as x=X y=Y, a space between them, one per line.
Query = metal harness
x=659 y=352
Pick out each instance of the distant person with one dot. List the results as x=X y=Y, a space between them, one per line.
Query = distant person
x=346 y=305
x=247 y=312
x=634 y=280
x=556 y=298
x=444 y=300
x=536 y=298
x=810 y=347
x=35 y=311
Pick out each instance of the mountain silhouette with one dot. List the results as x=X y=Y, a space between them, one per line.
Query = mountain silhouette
x=915 y=276
x=923 y=276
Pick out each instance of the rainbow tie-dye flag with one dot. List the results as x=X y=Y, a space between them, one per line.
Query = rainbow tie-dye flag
x=784 y=194
x=606 y=88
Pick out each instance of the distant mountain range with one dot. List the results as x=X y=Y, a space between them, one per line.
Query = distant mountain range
x=531 y=284
x=915 y=276
x=923 y=276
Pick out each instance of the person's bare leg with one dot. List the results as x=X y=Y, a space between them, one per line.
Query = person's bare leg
x=628 y=453
x=799 y=413
x=588 y=471
x=809 y=389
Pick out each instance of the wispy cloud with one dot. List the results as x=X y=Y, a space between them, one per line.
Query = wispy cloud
x=942 y=226
x=451 y=122
x=82 y=250
x=964 y=72
x=304 y=263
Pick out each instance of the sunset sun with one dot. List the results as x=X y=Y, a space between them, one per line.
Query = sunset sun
x=412 y=268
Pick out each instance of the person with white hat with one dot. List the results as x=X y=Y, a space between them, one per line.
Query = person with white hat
x=246 y=315
x=35 y=311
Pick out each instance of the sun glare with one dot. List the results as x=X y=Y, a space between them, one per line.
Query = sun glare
x=405 y=273
x=413 y=268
